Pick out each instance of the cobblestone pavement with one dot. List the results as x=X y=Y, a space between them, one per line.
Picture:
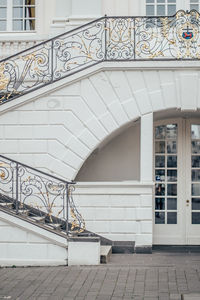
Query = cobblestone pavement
x=158 y=276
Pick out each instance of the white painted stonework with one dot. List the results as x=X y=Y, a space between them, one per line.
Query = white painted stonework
x=57 y=127
x=24 y=244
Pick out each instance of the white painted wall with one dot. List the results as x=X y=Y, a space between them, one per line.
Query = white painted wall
x=24 y=244
x=118 y=160
x=57 y=127
x=117 y=211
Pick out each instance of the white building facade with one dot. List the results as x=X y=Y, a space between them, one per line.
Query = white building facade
x=124 y=125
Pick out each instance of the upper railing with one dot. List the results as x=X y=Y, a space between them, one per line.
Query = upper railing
x=106 y=39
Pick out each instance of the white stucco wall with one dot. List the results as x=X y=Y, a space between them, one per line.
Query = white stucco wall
x=24 y=244
x=118 y=160
x=57 y=127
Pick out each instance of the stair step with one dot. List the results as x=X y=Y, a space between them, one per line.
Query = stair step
x=38 y=219
x=6 y=204
x=105 y=252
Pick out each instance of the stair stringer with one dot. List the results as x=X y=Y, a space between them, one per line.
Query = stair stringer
x=24 y=244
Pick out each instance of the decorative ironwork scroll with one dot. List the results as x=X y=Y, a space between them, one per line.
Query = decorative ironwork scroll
x=43 y=194
x=106 y=39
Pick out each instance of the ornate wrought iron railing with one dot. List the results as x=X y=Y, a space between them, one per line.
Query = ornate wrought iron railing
x=45 y=197
x=106 y=39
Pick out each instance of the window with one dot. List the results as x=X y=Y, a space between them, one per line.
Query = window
x=17 y=15
x=160 y=7
x=194 y=4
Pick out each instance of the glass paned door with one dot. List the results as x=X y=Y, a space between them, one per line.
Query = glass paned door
x=167 y=205
x=193 y=183
x=177 y=182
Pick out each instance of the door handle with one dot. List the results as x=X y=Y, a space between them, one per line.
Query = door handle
x=187 y=201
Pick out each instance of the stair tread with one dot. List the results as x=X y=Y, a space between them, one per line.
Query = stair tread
x=6 y=204
x=37 y=218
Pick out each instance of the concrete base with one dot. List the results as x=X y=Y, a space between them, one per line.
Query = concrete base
x=83 y=251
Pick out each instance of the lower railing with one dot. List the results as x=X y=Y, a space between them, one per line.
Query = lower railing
x=44 y=196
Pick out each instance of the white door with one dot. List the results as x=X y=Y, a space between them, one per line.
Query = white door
x=177 y=182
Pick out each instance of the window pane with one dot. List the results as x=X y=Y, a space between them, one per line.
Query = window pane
x=17 y=2
x=17 y=25
x=29 y=25
x=29 y=12
x=2 y=13
x=196 y=218
x=160 y=132
x=160 y=10
x=172 y=203
x=172 y=161
x=171 y=131
x=196 y=189
x=196 y=203
x=18 y=12
x=194 y=1
x=195 y=131
x=195 y=161
x=160 y=190
x=159 y=218
x=194 y=6
x=171 y=1
x=150 y=10
x=160 y=1
x=160 y=147
x=160 y=203
x=3 y=2
x=150 y=1
x=195 y=146
x=160 y=161
x=171 y=218
x=171 y=10
x=195 y=175
x=160 y=175
x=172 y=189
x=2 y=25
x=171 y=147
x=171 y=175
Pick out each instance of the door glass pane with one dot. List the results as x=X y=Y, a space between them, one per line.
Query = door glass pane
x=194 y=6
x=29 y=25
x=195 y=131
x=172 y=161
x=160 y=147
x=160 y=175
x=195 y=146
x=171 y=218
x=172 y=189
x=159 y=218
x=195 y=217
x=196 y=189
x=160 y=161
x=17 y=2
x=171 y=147
x=160 y=189
x=160 y=132
x=150 y=10
x=159 y=203
x=29 y=2
x=195 y=161
x=171 y=175
x=3 y=2
x=160 y=1
x=195 y=203
x=195 y=175
x=172 y=203
x=171 y=131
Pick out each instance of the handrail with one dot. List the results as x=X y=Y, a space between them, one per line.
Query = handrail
x=105 y=39
x=43 y=194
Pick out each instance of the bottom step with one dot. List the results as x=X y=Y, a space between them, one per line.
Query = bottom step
x=105 y=252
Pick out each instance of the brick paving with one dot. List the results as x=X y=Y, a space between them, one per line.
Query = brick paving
x=157 y=276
